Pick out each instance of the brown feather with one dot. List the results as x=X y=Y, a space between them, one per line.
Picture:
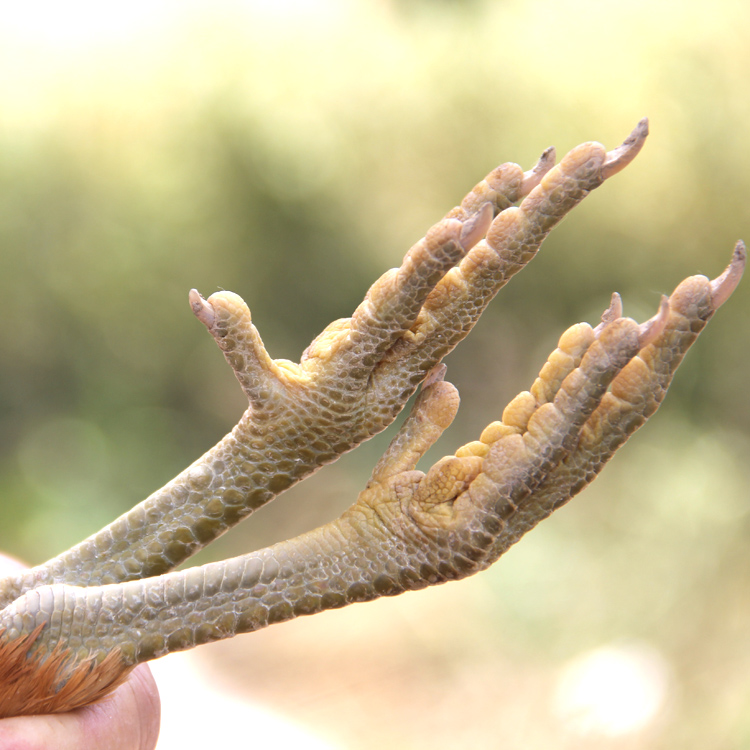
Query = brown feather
x=55 y=683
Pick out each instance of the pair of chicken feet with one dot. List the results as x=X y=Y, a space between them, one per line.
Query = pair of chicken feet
x=73 y=627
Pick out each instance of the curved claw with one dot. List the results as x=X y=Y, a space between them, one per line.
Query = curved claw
x=533 y=176
x=201 y=309
x=612 y=313
x=620 y=157
x=654 y=327
x=723 y=286
x=476 y=227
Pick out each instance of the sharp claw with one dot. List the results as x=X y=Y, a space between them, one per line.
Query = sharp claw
x=653 y=328
x=620 y=157
x=614 y=311
x=723 y=286
x=475 y=227
x=201 y=309
x=611 y=314
x=534 y=176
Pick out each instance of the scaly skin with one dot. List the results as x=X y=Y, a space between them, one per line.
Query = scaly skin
x=108 y=603
x=353 y=379
x=300 y=417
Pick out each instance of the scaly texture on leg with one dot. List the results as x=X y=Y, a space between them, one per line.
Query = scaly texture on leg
x=353 y=379
x=459 y=299
x=635 y=394
x=407 y=530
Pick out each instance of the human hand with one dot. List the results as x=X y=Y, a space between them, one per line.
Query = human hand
x=127 y=719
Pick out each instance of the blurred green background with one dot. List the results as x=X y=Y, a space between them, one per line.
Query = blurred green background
x=291 y=152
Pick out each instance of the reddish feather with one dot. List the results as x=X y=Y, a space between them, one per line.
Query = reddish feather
x=35 y=683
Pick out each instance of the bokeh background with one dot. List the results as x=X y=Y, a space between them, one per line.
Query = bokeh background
x=291 y=151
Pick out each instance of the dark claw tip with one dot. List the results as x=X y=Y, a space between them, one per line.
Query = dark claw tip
x=620 y=157
x=533 y=176
x=723 y=286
